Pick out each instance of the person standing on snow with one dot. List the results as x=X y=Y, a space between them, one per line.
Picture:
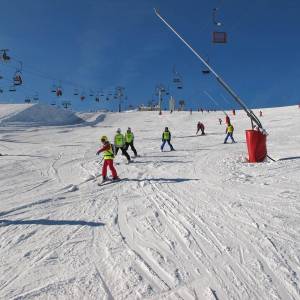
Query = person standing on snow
x=220 y=121
x=108 y=157
x=166 y=137
x=119 y=143
x=229 y=131
x=129 y=138
x=200 y=126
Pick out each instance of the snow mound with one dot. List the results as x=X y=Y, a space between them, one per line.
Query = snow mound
x=37 y=114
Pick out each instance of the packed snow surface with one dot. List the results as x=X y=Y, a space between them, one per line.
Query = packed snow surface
x=197 y=223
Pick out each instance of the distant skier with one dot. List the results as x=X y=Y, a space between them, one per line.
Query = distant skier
x=119 y=143
x=233 y=112
x=229 y=133
x=220 y=121
x=260 y=113
x=108 y=157
x=129 y=139
x=166 y=137
x=200 y=126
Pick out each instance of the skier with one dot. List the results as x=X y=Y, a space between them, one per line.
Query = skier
x=108 y=157
x=220 y=121
x=200 y=126
x=166 y=137
x=260 y=113
x=229 y=132
x=120 y=144
x=233 y=112
x=129 y=138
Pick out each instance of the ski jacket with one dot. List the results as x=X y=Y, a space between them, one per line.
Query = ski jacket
x=229 y=129
x=107 y=151
x=129 y=137
x=119 y=140
x=200 y=126
x=166 y=136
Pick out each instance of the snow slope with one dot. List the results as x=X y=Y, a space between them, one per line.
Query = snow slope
x=198 y=223
x=36 y=114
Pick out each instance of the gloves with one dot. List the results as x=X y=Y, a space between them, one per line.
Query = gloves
x=98 y=152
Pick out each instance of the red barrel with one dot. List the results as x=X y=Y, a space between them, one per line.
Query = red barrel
x=257 y=145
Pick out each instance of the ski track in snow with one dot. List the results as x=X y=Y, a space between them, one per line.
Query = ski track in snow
x=197 y=223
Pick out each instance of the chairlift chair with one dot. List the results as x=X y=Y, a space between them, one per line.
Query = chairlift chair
x=76 y=93
x=12 y=89
x=58 y=92
x=219 y=37
x=36 y=97
x=17 y=79
x=4 y=55
x=53 y=88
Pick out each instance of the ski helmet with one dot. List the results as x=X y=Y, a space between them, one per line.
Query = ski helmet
x=119 y=130
x=128 y=129
x=166 y=128
x=104 y=138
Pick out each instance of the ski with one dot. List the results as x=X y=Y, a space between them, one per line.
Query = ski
x=109 y=181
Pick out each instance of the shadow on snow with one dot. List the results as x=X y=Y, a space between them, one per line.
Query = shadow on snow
x=50 y=222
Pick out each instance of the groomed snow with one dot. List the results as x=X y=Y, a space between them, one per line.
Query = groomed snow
x=198 y=223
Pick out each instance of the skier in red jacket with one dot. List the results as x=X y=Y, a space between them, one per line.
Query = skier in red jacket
x=200 y=126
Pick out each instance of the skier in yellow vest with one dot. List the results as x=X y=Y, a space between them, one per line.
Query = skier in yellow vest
x=119 y=143
x=166 y=138
x=129 y=139
x=108 y=157
x=229 y=131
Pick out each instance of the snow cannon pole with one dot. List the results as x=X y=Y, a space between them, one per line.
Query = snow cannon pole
x=249 y=112
x=212 y=99
x=256 y=139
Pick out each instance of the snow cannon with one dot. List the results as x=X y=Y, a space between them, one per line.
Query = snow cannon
x=257 y=145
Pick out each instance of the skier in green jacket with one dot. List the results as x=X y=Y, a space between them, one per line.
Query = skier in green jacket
x=166 y=137
x=129 y=139
x=119 y=143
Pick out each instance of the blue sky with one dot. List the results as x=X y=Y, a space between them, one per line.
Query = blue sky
x=100 y=44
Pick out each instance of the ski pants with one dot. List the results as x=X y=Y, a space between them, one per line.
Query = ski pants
x=109 y=163
x=163 y=144
x=229 y=134
x=131 y=146
x=202 y=131
x=124 y=152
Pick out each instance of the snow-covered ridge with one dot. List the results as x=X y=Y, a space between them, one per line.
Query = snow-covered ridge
x=36 y=114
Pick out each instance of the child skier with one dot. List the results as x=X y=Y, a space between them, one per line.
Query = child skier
x=129 y=138
x=120 y=144
x=166 y=137
x=108 y=157
x=200 y=126
x=229 y=131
